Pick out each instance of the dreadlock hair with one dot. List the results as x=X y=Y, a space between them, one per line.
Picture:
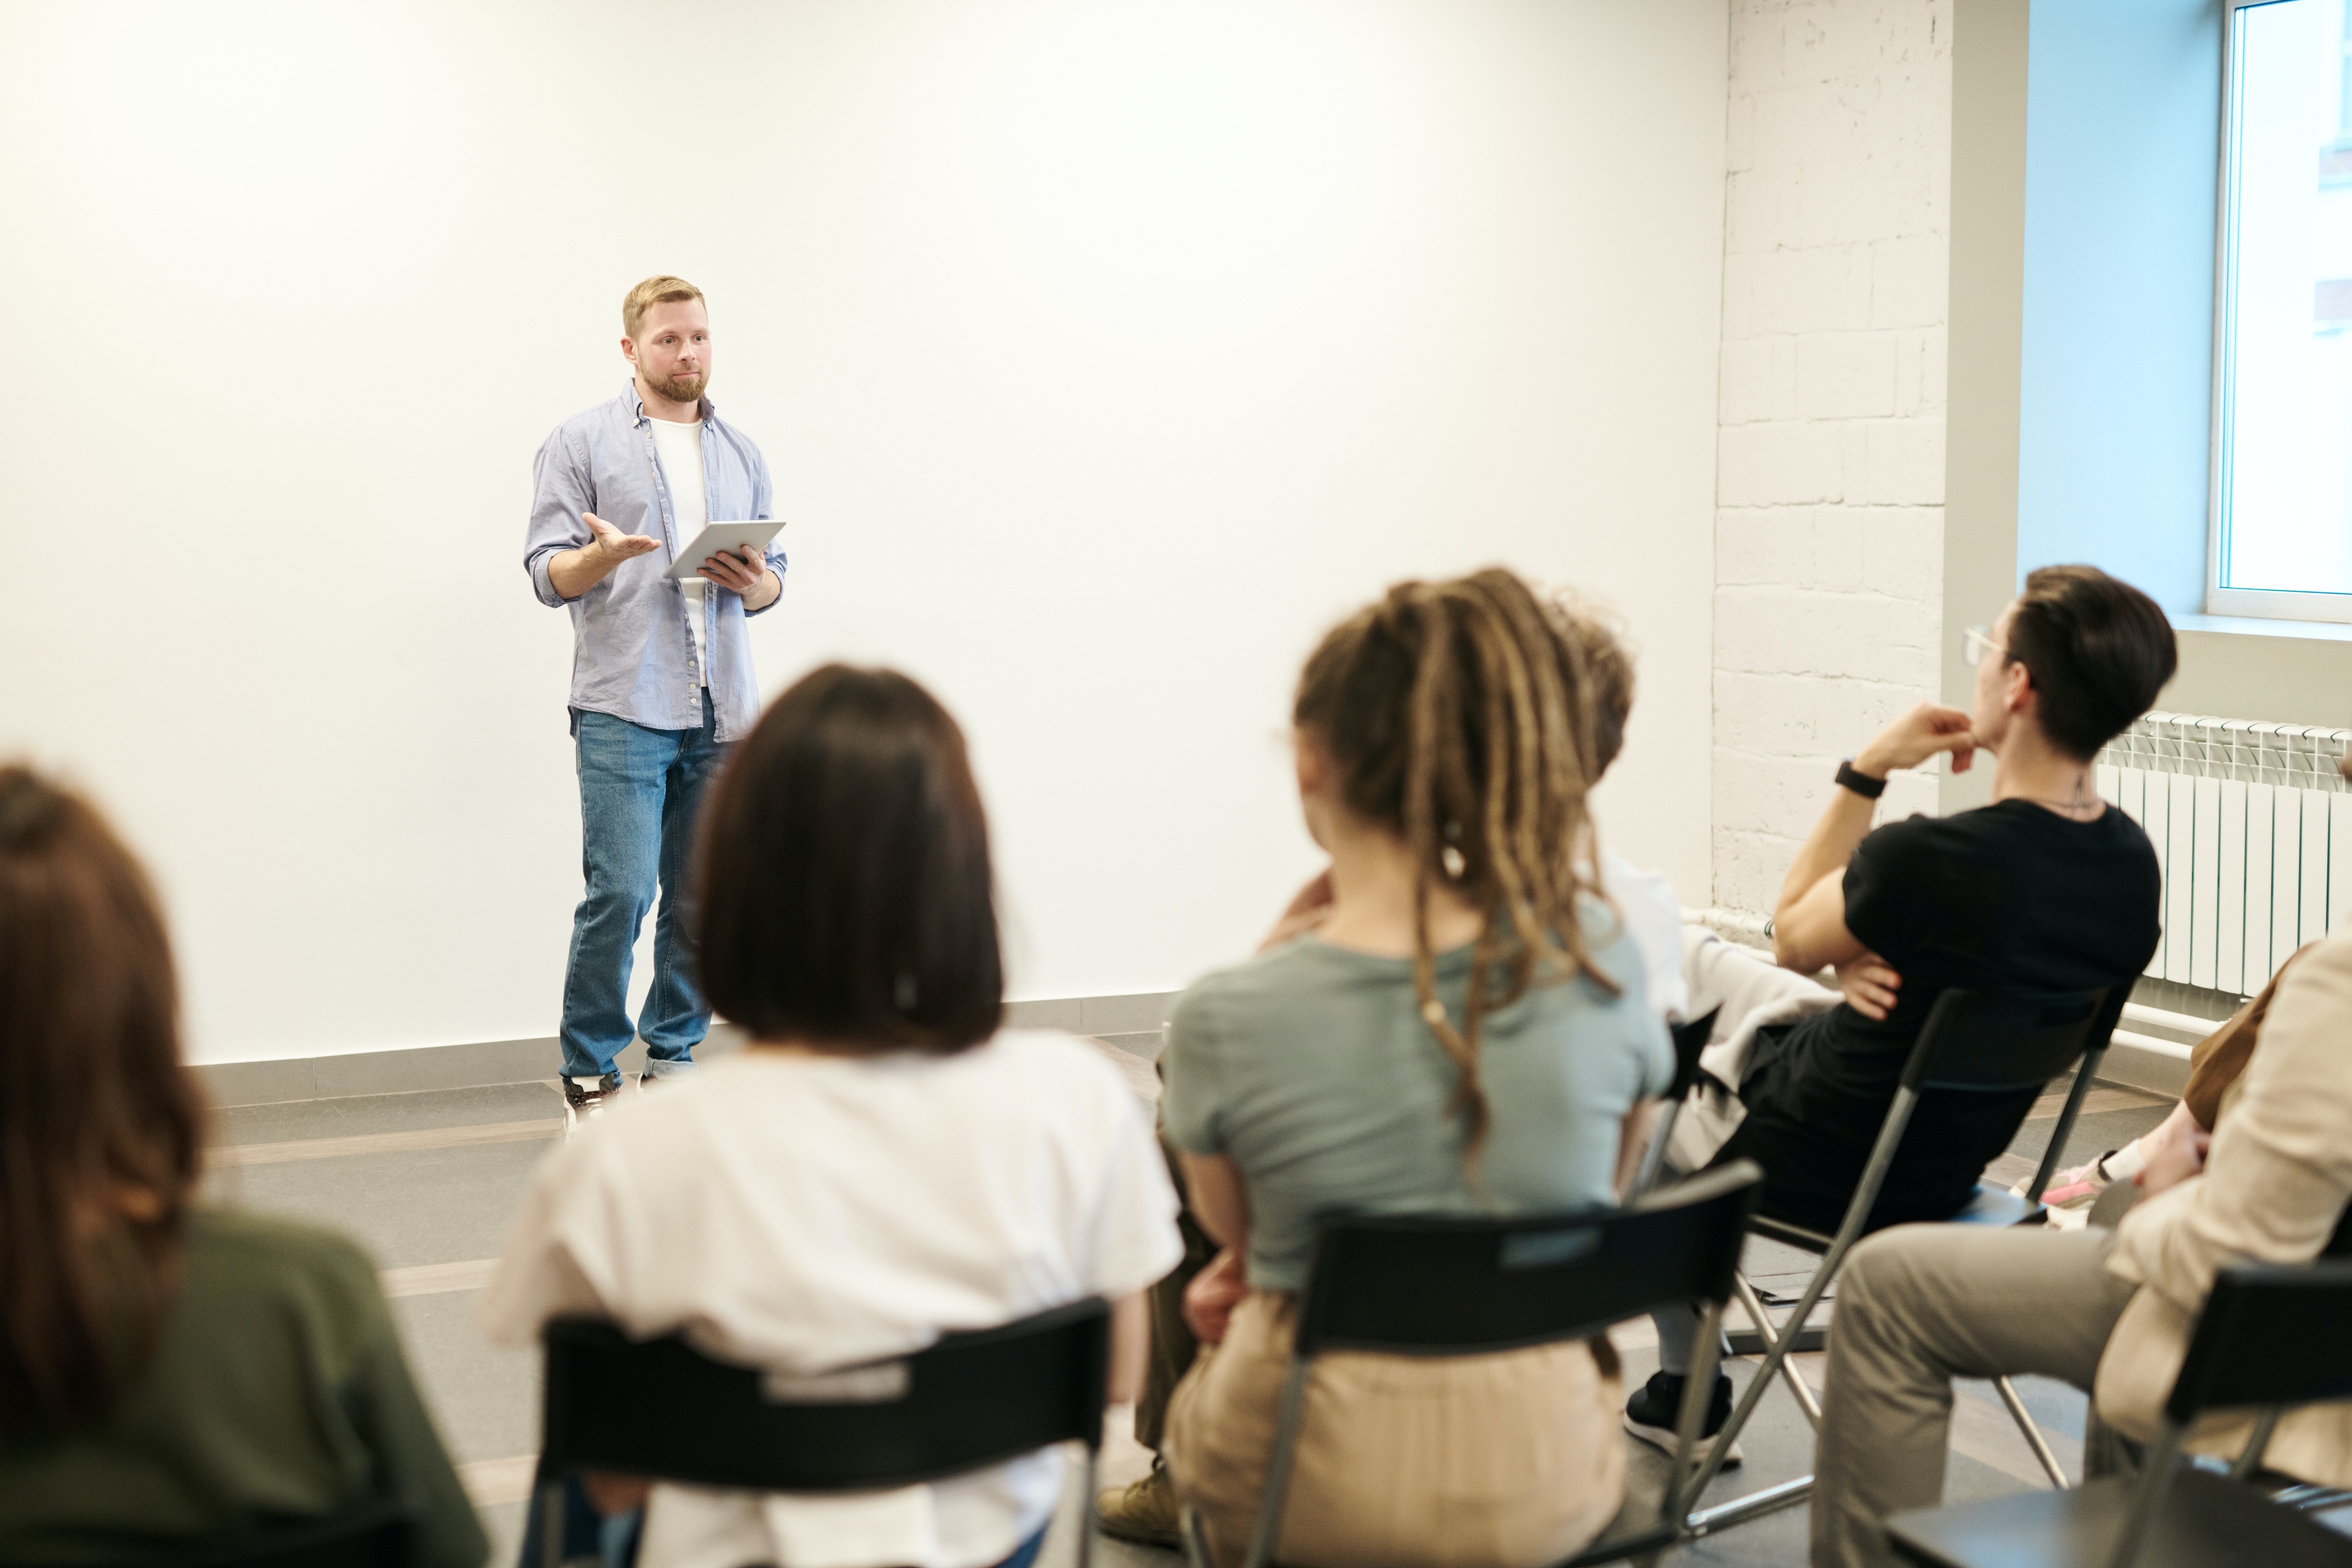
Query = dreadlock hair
x=101 y=1124
x=1460 y=717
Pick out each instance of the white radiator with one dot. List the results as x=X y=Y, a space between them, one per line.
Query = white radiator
x=2252 y=825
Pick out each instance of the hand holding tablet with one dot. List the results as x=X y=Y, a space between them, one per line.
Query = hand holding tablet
x=744 y=540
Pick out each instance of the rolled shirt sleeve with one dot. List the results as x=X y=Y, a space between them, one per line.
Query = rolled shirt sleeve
x=561 y=493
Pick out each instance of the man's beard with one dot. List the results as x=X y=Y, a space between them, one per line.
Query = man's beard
x=685 y=388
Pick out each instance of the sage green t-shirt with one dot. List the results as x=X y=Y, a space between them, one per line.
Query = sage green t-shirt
x=277 y=1392
x=1311 y=1068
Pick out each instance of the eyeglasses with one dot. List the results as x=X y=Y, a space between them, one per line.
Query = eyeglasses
x=1974 y=643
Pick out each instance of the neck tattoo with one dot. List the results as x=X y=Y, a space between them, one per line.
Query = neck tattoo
x=2082 y=802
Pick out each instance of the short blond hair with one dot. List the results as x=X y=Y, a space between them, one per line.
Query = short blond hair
x=653 y=291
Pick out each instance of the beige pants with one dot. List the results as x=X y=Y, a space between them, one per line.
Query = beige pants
x=1918 y=1306
x=1494 y=1461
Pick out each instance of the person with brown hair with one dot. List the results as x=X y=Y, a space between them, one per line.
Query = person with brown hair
x=1467 y=1030
x=883 y=1164
x=174 y=1376
x=662 y=682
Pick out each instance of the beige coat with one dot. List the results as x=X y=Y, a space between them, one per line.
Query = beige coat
x=2275 y=1182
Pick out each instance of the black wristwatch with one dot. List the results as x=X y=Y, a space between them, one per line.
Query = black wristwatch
x=1862 y=785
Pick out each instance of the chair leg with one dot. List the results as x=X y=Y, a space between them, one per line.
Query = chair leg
x=2251 y=1460
x=1193 y=1538
x=1784 y=1341
x=550 y=1503
x=2032 y=1433
x=2148 y=1501
x=1699 y=1391
x=1266 y=1536
x=1087 y=1514
x=1653 y=1158
x=1775 y=1355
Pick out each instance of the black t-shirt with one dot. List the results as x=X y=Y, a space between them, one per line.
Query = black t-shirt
x=2009 y=898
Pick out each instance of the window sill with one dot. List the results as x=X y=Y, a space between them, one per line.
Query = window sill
x=2265 y=626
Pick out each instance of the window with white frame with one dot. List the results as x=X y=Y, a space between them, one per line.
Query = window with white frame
x=2282 y=540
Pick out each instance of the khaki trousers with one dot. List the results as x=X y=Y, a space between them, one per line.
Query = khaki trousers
x=1510 y=1460
x=1918 y=1306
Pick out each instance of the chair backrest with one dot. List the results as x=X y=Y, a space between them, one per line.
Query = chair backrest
x=379 y=1534
x=1975 y=1041
x=2270 y=1334
x=659 y=1408
x=1425 y=1285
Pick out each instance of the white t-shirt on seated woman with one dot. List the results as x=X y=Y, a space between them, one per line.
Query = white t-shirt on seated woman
x=806 y=1213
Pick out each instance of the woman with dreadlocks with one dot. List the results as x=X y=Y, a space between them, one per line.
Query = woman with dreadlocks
x=1467 y=1031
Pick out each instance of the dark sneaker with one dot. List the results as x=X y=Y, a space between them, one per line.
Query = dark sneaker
x=582 y=1103
x=1143 y=1511
x=1653 y=1410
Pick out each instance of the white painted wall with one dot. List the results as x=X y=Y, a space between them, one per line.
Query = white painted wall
x=1829 y=543
x=1103 y=355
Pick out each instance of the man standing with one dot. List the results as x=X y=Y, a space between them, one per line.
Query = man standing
x=661 y=672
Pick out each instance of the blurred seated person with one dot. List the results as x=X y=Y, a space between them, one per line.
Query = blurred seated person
x=175 y=1378
x=2047 y=890
x=883 y=1164
x=2216 y=1065
x=2110 y=1311
x=1466 y=1029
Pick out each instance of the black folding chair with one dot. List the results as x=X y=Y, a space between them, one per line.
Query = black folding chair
x=1429 y=1286
x=379 y=1534
x=1973 y=1043
x=659 y=1408
x=2268 y=1338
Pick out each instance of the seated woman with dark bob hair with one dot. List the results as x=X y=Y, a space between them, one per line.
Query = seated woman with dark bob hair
x=881 y=1164
x=175 y=1379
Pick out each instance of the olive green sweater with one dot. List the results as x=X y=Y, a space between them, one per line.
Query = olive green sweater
x=277 y=1392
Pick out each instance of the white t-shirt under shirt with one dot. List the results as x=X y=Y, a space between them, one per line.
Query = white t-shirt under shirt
x=680 y=450
x=806 y=1213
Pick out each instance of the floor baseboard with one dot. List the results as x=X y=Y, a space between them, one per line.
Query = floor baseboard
x=417 y=1068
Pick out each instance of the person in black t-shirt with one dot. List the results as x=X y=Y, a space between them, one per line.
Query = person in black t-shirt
x=2046 y=889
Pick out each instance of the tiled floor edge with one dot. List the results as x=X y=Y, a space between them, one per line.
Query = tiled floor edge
x=412 y=1070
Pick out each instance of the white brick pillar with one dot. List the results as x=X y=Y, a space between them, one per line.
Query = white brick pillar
x=1829 y=468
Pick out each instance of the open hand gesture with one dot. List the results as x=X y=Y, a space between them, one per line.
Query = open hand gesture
x=610 y=546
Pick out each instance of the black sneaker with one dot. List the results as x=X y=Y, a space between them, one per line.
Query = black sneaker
x=581 y=1103
x=1653 y=1410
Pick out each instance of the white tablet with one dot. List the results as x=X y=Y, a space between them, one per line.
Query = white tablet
x=716 y=537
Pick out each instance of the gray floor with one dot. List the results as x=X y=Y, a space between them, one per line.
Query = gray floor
x=427 y=1182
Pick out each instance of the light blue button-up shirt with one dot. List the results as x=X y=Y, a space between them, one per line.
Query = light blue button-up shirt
x=632 y=642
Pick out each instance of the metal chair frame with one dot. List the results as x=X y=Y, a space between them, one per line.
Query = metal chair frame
x=1930 y=1067
x=1509 y=1284
x=2234 y=1362
x=661 y=1409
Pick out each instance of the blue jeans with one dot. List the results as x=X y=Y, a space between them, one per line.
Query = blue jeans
x=639 y=792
